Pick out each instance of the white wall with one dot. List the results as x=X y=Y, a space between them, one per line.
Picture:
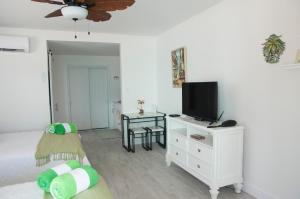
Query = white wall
x=24 y=84
x=224 y=44
x=60 y=66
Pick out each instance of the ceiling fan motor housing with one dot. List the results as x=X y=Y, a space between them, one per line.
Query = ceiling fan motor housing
x=74 y=12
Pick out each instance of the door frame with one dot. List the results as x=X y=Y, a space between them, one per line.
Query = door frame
x=50 y=77
x=50 y=84
x=68 y=94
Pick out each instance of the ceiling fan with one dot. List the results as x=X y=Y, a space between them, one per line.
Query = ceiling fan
x=95 y=10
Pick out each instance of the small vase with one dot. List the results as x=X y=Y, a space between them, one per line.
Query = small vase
x=141 y=112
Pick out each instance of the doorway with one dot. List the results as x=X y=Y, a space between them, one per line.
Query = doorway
x=85 y=83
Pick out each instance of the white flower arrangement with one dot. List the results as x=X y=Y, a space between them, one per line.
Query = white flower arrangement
x=141 y=102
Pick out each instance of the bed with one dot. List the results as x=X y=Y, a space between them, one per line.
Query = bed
x=17 y=161
x=21 y=191
x=18 y=171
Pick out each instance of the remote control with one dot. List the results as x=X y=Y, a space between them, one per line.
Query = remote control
x=174 y=115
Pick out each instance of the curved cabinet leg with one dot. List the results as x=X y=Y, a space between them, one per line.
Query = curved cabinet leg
x=238 y=187
x=214 y=193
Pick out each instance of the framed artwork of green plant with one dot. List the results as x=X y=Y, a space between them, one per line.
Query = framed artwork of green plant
x=273 y=49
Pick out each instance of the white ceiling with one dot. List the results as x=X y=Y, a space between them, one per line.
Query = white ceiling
x=145 y=17
x=83 y=48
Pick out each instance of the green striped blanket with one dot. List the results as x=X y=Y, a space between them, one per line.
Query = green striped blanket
x=74 y=182
x=45 y=178
x=62 y=128
x=99 y=191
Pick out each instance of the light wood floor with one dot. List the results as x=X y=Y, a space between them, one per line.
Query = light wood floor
x=143 y=175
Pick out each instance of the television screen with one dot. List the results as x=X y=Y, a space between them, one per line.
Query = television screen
x=200 y=100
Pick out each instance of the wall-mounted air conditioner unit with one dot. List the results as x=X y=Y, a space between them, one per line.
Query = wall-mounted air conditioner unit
x=14 y=44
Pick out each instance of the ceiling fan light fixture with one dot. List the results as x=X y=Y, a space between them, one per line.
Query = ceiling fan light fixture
x=74 y=12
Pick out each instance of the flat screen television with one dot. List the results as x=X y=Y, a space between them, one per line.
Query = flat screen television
x=200 y=100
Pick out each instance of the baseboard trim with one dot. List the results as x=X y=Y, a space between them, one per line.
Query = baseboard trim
x=257 y=192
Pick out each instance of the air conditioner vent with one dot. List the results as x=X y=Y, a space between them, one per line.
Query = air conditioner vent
x=14 y=44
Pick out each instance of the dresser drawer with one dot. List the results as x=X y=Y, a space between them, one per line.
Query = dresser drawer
x=199 y=166
x=178 y=155
x=200 y=151
x=178 y=140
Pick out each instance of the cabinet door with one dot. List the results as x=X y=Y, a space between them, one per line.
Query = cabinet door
x=178 y=155
x=199 y=166
x=200 y=151
x=178 y=140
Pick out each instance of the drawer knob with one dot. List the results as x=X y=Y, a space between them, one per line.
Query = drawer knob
x=176 y=140
x=199 y=150
x=198 y=166
x=176 y=153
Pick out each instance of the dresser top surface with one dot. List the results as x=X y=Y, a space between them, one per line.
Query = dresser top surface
x=203 y=124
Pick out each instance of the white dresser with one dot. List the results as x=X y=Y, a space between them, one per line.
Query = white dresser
x=217 y=160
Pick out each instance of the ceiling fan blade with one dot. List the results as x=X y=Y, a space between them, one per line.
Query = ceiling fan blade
x=97 y=16
x=86 y=1
x=56 y=13
x=111 y=5
x=49 y=1
x=42 y=1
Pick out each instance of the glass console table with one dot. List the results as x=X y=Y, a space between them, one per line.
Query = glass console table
x=148 y=119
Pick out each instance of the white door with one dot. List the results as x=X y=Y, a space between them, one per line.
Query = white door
x=88 y=97
x=79 y=97
x=98 y=98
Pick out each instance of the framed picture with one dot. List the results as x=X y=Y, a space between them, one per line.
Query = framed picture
x=178 y=67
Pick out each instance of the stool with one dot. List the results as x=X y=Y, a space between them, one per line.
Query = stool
x=156 y=131
x=138 y=133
